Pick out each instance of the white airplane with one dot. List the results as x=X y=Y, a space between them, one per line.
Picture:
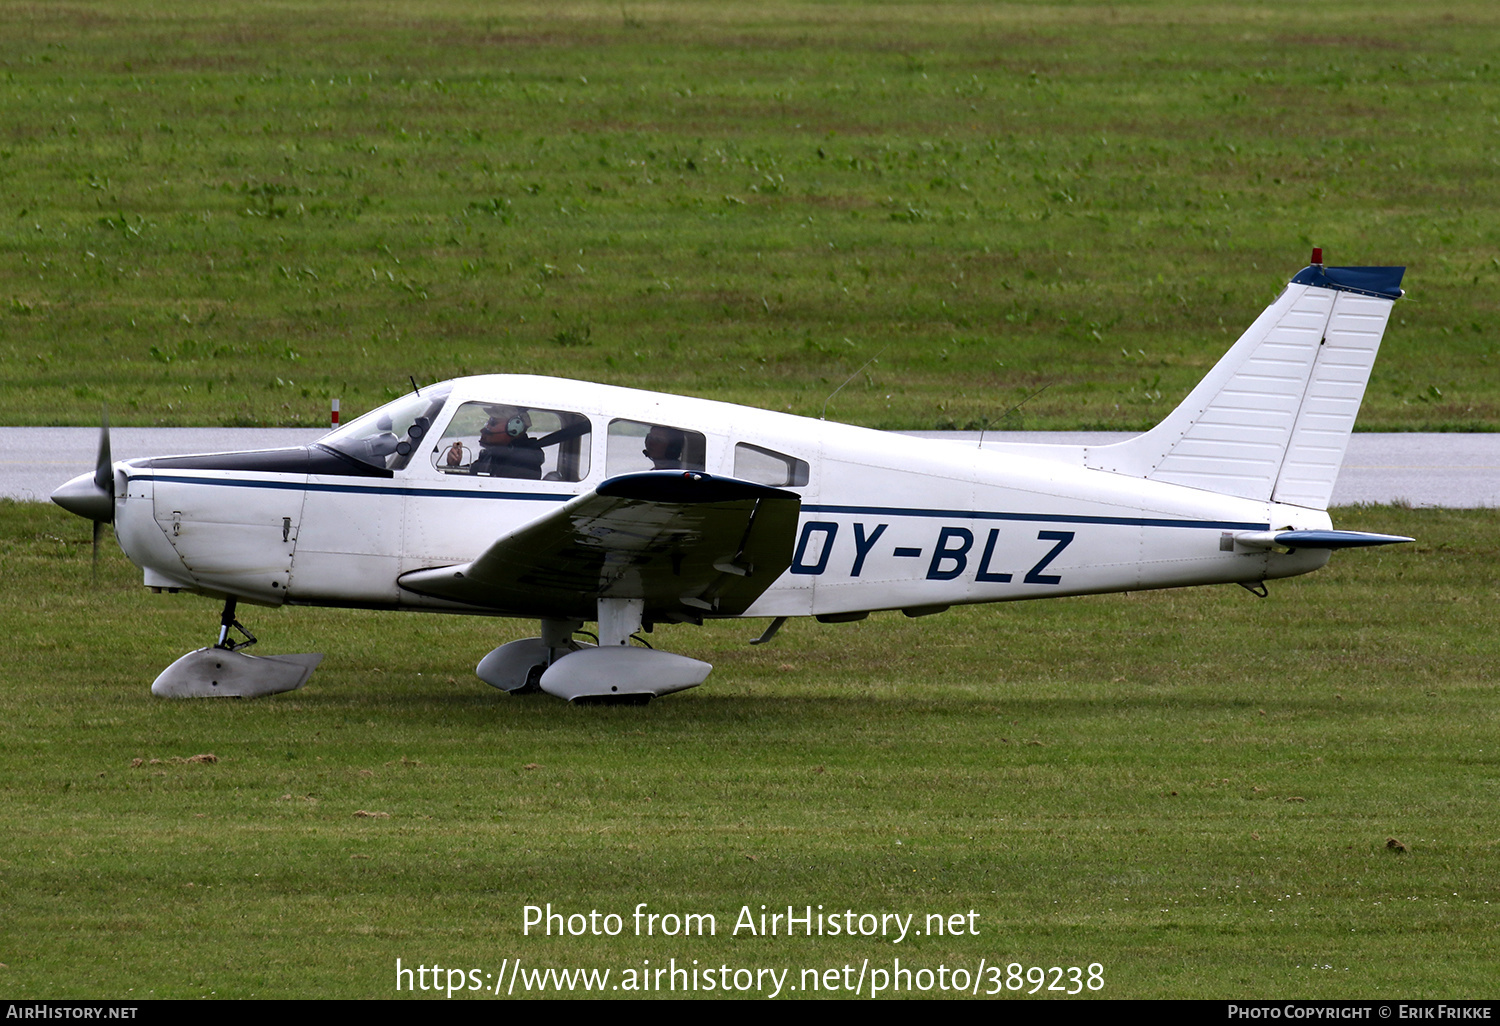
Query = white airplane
x=565 y=501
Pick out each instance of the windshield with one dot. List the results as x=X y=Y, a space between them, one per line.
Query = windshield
x=386 y=437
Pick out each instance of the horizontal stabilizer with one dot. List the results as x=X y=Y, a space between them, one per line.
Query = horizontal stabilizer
x=1316 y=539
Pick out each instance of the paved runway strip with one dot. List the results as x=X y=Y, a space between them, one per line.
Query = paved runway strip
x=1457 y=471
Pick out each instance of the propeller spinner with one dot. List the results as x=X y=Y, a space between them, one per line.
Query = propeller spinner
x=92 y=495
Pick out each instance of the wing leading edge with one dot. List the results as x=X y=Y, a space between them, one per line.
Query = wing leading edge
x=688 y=544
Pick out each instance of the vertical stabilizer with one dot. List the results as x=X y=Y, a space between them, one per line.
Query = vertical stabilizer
x=1272 y=419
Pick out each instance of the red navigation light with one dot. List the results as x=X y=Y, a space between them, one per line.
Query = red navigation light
x=1317 y=256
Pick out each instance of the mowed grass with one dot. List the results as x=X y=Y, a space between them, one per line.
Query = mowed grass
x=1194 y=789
x=1030 y=215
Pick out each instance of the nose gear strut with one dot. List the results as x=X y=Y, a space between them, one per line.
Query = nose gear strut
x=227 y=622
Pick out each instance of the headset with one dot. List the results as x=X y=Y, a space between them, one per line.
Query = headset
x=517 y=425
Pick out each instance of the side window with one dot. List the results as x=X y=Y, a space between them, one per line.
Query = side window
x=501 y=440
x=767 y=467
x=635 y=446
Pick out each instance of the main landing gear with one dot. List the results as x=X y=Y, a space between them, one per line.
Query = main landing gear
x=613 y=671
x=225 y=671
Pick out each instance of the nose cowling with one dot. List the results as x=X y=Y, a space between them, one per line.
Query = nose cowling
x=85 y=497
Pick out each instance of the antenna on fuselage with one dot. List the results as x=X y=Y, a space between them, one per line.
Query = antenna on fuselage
x=985 y=425
x=413 y=379
x=836 y=391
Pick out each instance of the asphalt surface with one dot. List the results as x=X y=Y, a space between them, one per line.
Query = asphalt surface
x=1451 y=471
x=1448 y=470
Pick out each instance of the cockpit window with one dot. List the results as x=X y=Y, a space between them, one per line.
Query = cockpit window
x=386 y=437
x=523 y=442
x=768 y=467
x=635 y=446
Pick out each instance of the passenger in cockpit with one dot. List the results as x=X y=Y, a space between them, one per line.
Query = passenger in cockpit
x=505 y=449
x=664 y=447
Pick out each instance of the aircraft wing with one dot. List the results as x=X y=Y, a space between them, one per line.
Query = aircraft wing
x=689 y=544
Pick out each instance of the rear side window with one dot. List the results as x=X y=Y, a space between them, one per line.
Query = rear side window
x=768 y=467
x=636 y=446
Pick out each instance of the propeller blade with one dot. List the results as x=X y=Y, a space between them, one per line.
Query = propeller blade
x=98 y=530
x=104 y=468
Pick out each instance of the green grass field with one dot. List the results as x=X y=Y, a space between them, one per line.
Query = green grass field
x=1032 y=215
x=1194 y=789
x=231 y=213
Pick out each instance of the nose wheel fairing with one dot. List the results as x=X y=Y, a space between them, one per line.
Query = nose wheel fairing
x=224 y=673
x=224 y=670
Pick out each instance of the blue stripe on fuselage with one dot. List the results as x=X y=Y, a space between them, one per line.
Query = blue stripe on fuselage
x=1034 y=518
x=874 y=511
x=366 y=489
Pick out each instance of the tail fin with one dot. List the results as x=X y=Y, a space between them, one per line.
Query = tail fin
x=1271 y=421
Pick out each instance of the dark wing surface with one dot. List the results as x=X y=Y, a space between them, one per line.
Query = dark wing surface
x=688 y=544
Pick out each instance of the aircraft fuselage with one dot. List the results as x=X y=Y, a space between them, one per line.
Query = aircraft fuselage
x=886 y=521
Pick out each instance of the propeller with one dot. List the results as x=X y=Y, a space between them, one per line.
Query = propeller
x=104 y=480
x=93 y=495
x=104 y=468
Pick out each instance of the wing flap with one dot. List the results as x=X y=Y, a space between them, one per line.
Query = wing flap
x=688 y=544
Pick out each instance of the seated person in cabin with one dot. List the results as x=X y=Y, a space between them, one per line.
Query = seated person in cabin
x=505 y=450
x=664 y=447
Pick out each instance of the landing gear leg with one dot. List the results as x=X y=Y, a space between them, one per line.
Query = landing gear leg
x=223 y=671
x=618 y=620
x=228 y=622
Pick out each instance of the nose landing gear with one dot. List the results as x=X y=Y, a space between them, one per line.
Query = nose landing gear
x=224 y=671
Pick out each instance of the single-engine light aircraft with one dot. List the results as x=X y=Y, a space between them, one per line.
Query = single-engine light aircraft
x=568 y=502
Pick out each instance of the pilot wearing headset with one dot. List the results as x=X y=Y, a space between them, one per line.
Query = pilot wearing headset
x=505 y=450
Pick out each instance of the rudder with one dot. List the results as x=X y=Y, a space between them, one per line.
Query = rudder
x=1272 y=419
